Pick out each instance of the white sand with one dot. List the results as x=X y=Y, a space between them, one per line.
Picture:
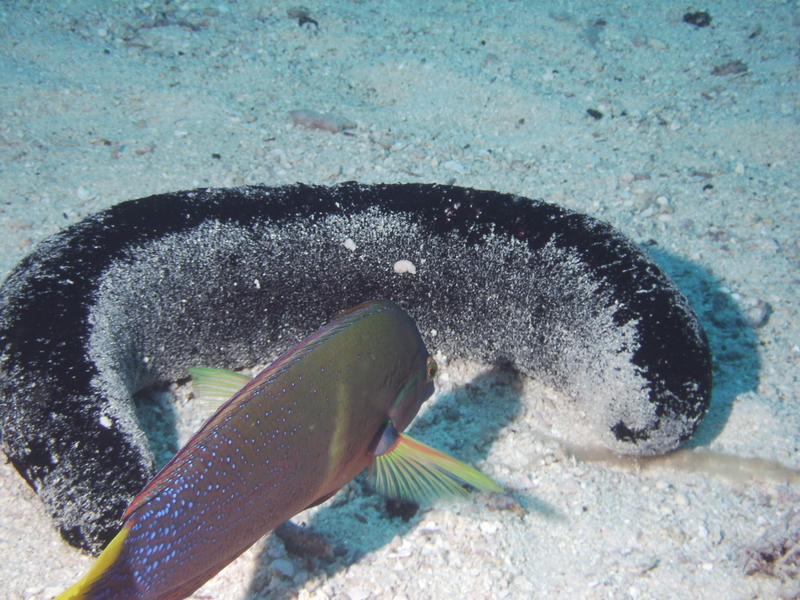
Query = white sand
x=106 y=101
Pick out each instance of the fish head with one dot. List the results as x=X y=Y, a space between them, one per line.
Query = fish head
x=418 y=388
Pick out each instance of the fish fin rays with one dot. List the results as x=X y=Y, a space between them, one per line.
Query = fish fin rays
x=214 y=387
x=415 y=472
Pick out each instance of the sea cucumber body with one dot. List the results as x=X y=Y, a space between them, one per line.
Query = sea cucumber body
x=133 y=295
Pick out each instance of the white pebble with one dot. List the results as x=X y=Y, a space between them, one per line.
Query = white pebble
x=757 y=315
x=350 y=244
x=82 y=193
x=769 y=245
x=452 y=165
x=405 y=266
x=283 y=567
x=106 y=422
x=489 y=528
x=358 y=593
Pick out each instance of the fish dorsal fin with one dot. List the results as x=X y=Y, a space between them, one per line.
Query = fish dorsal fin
x=412 y=471
x=214 y=387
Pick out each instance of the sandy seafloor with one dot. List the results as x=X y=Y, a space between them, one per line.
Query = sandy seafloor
x=695 y=157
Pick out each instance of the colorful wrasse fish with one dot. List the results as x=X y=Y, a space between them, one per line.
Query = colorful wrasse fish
x=289 y=439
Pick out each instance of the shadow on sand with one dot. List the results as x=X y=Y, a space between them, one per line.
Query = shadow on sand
x=733 y=342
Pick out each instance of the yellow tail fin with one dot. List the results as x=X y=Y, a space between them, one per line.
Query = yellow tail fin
x=107 y=558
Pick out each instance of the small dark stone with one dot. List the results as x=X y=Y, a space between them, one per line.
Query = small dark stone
x=304 y=543
x=216 y=155
x=595 y=114
x=401 y=508
x=303 y=16
x=700 y=18
x=732 y=67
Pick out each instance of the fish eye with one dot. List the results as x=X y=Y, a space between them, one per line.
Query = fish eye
x=432 y=368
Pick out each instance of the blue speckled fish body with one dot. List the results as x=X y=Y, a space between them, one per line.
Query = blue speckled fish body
x=293 y=436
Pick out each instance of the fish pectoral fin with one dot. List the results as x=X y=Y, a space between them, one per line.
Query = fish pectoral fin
x=413 y=471
x=82 y=589
x=214 y=387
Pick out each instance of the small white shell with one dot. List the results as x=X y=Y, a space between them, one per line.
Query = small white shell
x=405 y=266
x=349 y=244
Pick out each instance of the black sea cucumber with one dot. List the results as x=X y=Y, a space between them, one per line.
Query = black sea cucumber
x=133 y=295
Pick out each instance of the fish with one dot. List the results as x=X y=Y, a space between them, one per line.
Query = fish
x=287 y=439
